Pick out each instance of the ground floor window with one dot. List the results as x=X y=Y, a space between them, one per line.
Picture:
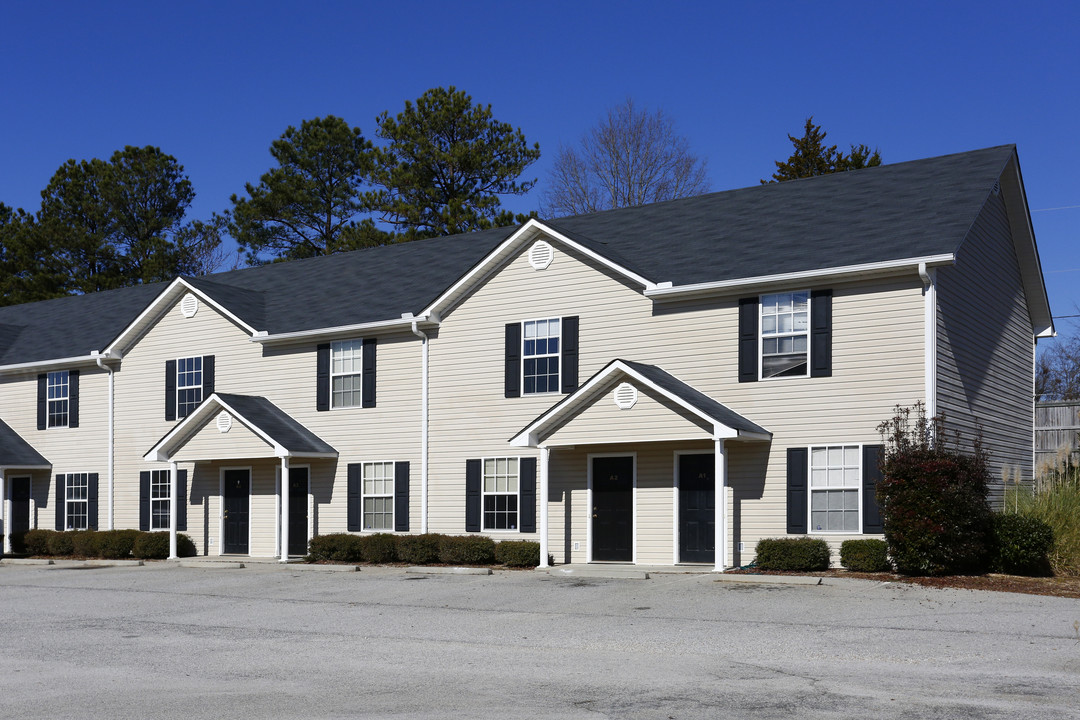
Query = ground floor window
x=500 y=493
x=378 y=490
x=160 y=497
x=835 y=483
x=77 y=493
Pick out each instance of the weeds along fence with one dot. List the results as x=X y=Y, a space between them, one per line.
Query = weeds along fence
x=1057 y=433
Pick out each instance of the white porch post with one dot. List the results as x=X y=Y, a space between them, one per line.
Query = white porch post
x=545 y=455
x=174 y=498
x=4 y=511
x=284 y=489
x=720 y=473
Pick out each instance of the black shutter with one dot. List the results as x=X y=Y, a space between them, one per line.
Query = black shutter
x=91 y=501
x=181 y=502
x=73 y=399
x=871 y=456
x=42 y=401
x=353 y=497
x=821 y=333
x=797 y=488
x=144 y=500
x=322 y=391
x=527 y=491
x=60 y=496
x=472 y=496
x=207 y=376
x=513 y=361
x=367 y=380
x=748 y=339
x=570 y=354
x=401 y=496
x=170 y=389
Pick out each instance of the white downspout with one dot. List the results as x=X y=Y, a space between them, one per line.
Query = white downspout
x=423 y=426
x=4 y=510
x=929 y=278
x=109 y=513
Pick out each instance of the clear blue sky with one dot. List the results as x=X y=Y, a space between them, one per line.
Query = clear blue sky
x=213 y=83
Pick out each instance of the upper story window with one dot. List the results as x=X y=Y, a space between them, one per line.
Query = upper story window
x=541 y=352
x=346 y=373
x=835 y=483
x=500 y=491
x=189 y=385
x=58 y=389
x=784 y=334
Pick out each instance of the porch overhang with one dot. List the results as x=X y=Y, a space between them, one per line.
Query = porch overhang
x=17 y=454
x=704 y=418
x=267 y=431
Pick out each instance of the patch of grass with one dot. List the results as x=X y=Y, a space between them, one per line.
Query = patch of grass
x=1055 y=499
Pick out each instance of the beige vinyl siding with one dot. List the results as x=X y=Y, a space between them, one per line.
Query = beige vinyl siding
x=209 y=443
x=986 y=345
x=652 y=418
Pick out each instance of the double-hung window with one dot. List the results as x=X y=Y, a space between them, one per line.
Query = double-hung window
x=160 y=497
x=346 y=373
x=189 y=385
x=784 y=334
x=76 y=501
x=540 y=353
x=378 y=489
x=58 y=389
x=500 y=490
x=835 y=483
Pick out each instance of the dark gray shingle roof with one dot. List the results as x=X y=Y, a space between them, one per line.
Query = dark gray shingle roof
x=16 y=452
x=276 y=423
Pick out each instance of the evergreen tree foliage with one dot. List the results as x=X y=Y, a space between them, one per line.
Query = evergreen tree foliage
x=314 y=201
x=811 y=156
x=445 y=164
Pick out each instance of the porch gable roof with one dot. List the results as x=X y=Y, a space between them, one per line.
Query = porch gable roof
x=15 y=452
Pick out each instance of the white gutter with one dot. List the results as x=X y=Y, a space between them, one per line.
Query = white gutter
x=58 y=362
x=929 y=278
x=101 y=364
x=423 y=426
x=406 y=322
x=665 y=291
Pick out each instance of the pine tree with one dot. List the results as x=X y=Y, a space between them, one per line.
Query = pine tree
x=811 y=156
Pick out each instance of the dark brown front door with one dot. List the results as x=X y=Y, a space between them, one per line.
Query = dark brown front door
x=235 y=510
x=697 y=508
x=613 y=509
x=20 y=512
x=298 y=520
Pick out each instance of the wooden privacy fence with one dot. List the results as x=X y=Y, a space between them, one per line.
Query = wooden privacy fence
x=1057 y=425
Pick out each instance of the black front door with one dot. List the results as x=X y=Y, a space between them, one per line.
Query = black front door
x=298 y=522
x=235 y=510
x=697 y=509
x=19 y=522
x=613 y=509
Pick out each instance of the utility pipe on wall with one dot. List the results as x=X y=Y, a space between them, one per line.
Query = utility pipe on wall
x=929 y=278
x=423 y=426
x=100 y=359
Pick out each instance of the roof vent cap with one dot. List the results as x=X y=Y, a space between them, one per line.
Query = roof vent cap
x=625 y=396
x=540 y=255
x=189 y=305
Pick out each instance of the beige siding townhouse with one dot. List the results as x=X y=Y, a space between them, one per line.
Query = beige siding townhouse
x=662 y=385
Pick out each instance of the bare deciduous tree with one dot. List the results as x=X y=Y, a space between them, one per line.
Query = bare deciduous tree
x=632 y=157
x=1057 y=371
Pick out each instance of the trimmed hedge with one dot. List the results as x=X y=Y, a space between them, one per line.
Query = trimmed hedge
x=86 y=543
x=867 y=555
x=335 y=547
x=418 y=549
x=518 y=553
x=106 y=544
x=427 y=549
x=378 y=548
x=118 y=544
x=1021 y=545
x=467 y=550
x=797 y=554
x=36 y=542
x=60 y=543
x=151 y=546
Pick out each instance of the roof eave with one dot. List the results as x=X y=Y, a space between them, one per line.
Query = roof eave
x=405 y=322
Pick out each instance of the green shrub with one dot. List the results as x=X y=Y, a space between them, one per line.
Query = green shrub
x=378 y=548
x=86 y=543
x=36 y=542
x=467 y=550
x=151 y=546
x=184 y=546
x=799 y=554
x=1055 y=499
x=1021 y=545
x=418 y=549
x=933 y=499
x=518 y=553
x=335 y=547
x=60 y=544
x=117 y=544
x=869 y=555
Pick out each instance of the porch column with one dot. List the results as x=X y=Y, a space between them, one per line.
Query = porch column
x=284 y=520
x=720 y=473
x=174 y=498
x=4 y=512
x=545 y=455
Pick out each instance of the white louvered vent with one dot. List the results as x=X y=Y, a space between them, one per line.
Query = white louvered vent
x=540 y=255
x=625 y=396
x=224 y=422
x=189 y=305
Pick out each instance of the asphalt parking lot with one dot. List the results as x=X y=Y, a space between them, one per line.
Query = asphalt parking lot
x=167 y=642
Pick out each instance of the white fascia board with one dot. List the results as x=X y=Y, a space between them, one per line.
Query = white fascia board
x=886 y=267
x=88 y=359
x=524 y=234
x=1026 y=248
x=4 y=468
x=378 y=325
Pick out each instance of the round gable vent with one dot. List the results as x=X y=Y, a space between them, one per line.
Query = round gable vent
x=189 y=305
x=224 y=422
x=540 y=255
x=625 y=396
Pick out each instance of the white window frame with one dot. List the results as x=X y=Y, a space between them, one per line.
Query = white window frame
x=516 y=494
x=65 y=399
x=182 y=410
x=534 y=356
x=161 y=501
x=365 y=495
x=357 y=374
x=857 y=486
x=777 y=335
x=70 y=503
